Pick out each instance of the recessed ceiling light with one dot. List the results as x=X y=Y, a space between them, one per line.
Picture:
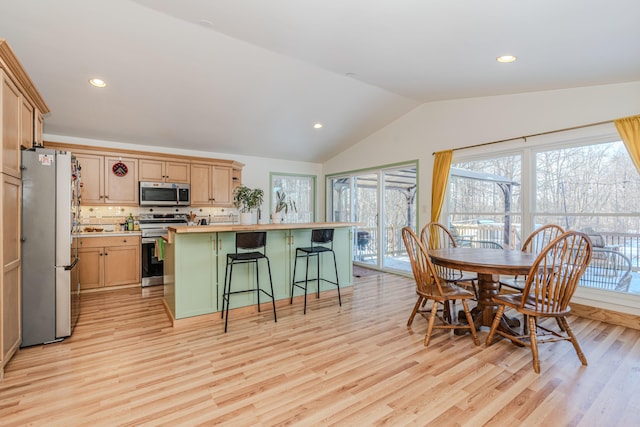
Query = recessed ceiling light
x=98 y=82
x=506 y=58
x=317 y=125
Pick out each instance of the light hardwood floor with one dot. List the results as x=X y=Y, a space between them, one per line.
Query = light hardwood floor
x=354 y=365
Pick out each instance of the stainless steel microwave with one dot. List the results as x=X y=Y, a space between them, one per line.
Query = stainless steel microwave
x=164 y=194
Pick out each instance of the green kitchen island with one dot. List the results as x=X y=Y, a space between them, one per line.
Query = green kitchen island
x=195 y=261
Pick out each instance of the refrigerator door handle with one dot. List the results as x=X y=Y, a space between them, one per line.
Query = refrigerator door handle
x=73 y=264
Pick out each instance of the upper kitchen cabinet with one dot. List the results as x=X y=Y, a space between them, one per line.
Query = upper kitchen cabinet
x=121 y=181
x=111 y=176
x=164 y=171
x=211 y=185
x=108 y=180
x=19 y=101
x=91 y=179
x=27 y=124
x=38 y=127
x=11 y=126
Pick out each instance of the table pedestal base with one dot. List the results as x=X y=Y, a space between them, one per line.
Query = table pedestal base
x=484 y=313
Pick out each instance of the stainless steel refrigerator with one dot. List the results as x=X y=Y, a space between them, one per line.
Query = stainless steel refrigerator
x=50 y=221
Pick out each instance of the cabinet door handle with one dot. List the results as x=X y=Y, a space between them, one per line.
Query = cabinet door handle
x=124 y=241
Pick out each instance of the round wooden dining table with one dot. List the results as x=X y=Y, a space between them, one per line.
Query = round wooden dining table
x=489 y=264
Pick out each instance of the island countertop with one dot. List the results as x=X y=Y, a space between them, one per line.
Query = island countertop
x=257 y=227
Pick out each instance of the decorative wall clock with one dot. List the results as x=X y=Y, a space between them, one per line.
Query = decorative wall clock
x=119 y=169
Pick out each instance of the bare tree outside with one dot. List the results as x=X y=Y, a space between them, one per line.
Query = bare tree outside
x=592 y=188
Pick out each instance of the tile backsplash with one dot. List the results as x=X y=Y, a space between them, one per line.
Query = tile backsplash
x=110 y=217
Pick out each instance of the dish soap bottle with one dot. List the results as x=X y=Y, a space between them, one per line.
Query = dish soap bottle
x=130 y=222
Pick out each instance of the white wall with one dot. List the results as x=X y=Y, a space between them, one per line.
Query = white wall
x=445 y=125
x=254 y=174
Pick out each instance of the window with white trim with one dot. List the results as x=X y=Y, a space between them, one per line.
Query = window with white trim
x=590 y=186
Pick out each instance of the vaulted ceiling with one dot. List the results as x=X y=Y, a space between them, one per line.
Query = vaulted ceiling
x=252 y=77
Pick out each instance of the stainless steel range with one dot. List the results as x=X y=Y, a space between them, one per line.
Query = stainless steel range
x=152 y=227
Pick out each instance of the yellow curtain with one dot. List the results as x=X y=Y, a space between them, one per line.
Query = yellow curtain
x=629 y=130
x=441 y=167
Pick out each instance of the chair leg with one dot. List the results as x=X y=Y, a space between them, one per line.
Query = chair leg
x=228 y=293
x=293 y=279
x=494 y=325
x=525 y=325
x=472 y=327
x=534 y=343
x=306 y=283
x=574 y=340
x=446 y=311
x=258 y=283
x=224 y=290
x=432 y=320
x=335 y=264
x=421 y=300
x=318 y=273
x=273 y=295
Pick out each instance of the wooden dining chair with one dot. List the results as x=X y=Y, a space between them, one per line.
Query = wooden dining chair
x=430 y=287
x=534 y=244
x=550 y=284
x=435 y=235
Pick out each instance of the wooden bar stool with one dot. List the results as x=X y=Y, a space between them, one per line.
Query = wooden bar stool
x=321 y=242
x=249 y=245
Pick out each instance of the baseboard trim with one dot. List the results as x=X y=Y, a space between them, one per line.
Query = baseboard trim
x=607 y=316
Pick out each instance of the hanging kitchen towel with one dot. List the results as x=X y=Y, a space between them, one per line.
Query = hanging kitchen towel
x=159 y=249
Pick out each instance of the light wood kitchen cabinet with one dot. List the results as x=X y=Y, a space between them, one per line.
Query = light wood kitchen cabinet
x=211 y=185
x=26 y=124
x=91 y=179
x=38 y=127
x=19 y=101
x=91 y=268
x=164 y=171
x=10 y=321
x=109 y=261
x=121 y=190
x=11 y=126
x=102 y=185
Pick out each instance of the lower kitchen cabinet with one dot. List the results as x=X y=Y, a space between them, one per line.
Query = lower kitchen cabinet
x=109 y=261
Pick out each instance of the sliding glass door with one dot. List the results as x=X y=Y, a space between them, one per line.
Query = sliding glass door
x=366 y=213
x=381 y=201
x=399 y=190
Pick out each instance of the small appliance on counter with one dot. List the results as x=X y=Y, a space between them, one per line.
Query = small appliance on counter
x=50 y=273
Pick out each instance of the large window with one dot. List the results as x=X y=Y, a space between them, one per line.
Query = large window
x=484 y=201
x=300 y=192
x=591 y=187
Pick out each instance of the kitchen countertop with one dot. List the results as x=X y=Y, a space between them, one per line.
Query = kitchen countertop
x=108 y=233
x=258 y=227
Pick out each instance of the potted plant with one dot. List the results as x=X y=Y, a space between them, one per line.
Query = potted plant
x=282 y=206
x=246 y=199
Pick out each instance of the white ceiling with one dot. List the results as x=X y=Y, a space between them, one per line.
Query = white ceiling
x=255 y=77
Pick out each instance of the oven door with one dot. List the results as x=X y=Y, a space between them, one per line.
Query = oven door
x=152 y=268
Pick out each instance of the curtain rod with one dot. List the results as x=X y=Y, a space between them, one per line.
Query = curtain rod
x=532 y=135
